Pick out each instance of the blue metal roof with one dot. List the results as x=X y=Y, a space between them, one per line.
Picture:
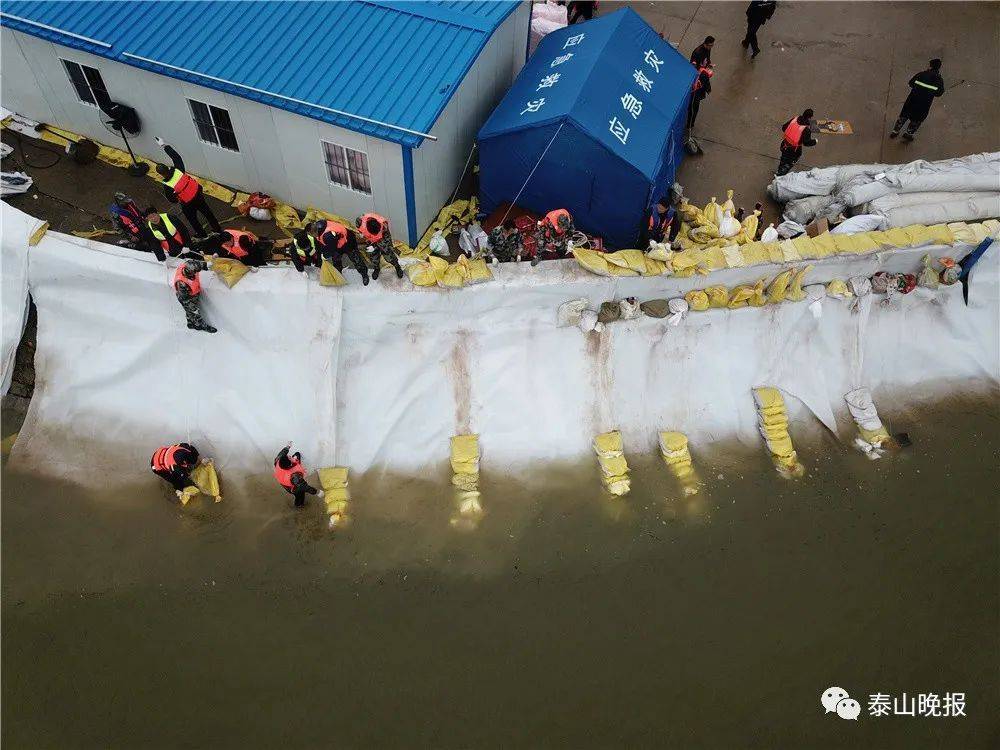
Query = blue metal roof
x=385 y=67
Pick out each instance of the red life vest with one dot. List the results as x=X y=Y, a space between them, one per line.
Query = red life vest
x=284 y=476
x=793 y=133
x=370 y=238
x=337 y=230
x=232 y=245
x=193 y=284
x=164 y=458
x=185 y=186
x=552 y=219
x=697 y=81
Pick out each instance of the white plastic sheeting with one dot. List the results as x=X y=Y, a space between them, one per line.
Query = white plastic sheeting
x=832 y=191
x=381 y=377
x=16 y=229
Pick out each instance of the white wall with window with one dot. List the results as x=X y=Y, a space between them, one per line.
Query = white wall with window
x=88 y=83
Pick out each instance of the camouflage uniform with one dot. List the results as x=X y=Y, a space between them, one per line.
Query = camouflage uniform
x=548 y=238
x=384 y=249
x=192 y=309
x=503 y=244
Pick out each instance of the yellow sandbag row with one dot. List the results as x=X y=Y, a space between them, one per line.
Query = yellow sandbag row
x=772 y=421
x=677 y=457
x=459 y=212
x=333 y=480
x=465 y=462
x=611 y=457
x=437 y=271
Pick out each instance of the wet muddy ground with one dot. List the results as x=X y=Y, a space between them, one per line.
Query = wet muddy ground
x=564 y=618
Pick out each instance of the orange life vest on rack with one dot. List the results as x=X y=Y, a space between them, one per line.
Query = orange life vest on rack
x=370 y=238
x=793 y=133
x=697 y=81
x=185 y=186
x=337 y=230
x=232 y=245
x=284 y=476
x=193 y=284
x=552 y=219
x=164 y=459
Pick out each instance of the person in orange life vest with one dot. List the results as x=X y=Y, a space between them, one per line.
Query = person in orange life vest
x=554 y=231
x=173 y=463
x=304 y=251
x=169 y=235
x=130 y=222
x=291 y=475
x=375 y=231
x=187 y=286
x=701 y=88
x=181 y=187
x=796 y=133
x=660 y=224
x=239 y=245
x=335 y=241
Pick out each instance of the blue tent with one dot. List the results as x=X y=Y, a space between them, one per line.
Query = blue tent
x=594 y=123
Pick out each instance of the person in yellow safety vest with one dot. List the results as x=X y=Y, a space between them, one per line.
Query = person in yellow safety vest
x=170 y=236
x=304 y=251
x=180 y=187
x=795 y=134
x=925 y=87
x=187 y=287
x=375 y=231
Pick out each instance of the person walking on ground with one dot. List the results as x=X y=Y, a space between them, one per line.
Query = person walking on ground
x=335 y=241
x=925 y=87
x=796 y=133
x=304 y=251
x=291 y=475
x=759 y=12
x=702 y=55
x=375 y=231
x=173 y=463
x=187 y=286
x=181 y=187
x=170 y=236
x=700 y=89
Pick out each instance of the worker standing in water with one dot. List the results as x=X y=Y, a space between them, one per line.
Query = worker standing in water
x=169 y=233
x=335 y=241
x=304 y=251
x=174 y=463
x=796 y=133
x=187 y=286
x=925 y=87
x=291 y=475
x=181 y=187
x=375 y=231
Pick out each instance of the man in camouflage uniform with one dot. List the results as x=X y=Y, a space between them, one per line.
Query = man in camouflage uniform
x=375 y=231
x=554 y=234
x=187 y=286
x=503 y=244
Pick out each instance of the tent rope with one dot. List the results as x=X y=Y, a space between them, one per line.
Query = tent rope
x=531 y=173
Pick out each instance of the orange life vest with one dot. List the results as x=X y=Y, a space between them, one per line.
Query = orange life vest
x=337 y=230
x=232 y=245
x=164 y=458
x=370 y=238
x=193 y=284
x=284 y=476
x=552 y=219
x=185 y=186
x=697 y=81
x=793 y=133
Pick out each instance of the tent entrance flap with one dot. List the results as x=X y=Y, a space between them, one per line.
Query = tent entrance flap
x=620 y=93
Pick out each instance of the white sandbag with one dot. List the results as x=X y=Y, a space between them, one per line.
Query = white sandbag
x=789 y=229
x=729 y=227
x=862 y=223
x=12 y=183
x=815 y=181
x=588 y=321
x=804 y=210
x=439 y=245
x=770 y=234
x=881 y=205
x=862 y=408
x=569 y=313
x=629 y=308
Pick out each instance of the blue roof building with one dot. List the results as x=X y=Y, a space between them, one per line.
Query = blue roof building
x=347 y=106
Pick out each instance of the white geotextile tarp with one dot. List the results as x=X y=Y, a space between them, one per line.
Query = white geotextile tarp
x=381 y=377
x=16 y=227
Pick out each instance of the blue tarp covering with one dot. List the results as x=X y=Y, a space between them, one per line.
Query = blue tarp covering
x=594 y=123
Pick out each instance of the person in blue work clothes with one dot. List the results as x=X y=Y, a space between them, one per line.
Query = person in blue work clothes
x=659 y=225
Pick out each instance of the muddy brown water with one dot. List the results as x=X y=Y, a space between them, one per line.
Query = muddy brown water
x=564 y=618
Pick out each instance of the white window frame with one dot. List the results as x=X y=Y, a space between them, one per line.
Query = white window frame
x=213 y=124
x=347 y=167
x=72 y=84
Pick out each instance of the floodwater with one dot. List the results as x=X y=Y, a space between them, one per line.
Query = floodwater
x=564 y=618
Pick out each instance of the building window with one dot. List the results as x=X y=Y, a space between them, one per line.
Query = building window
x=347 y=167
x=87 y=81
x=214 y=125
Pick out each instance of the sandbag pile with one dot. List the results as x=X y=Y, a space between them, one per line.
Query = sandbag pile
x=611 y=457
x=333 y=480
x=865 y=415
x=437 y=271
x=919 y=192
x=674 y=449
x=772 y=421
x=715 y=225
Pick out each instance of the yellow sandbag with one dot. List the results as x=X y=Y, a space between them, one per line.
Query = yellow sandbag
x=748 y=228
x=941 y=234
x=697 y=300
x=683 y=261
x=838 y=289
x=740 y=296
x=865 y=243
x=440 y=267
x=187 y=494
x=778 y=286
x=93 y=233
x=239 y=198
x=918 y=235
x=609 y=444
x=454 y=276
x=422 y=274
x=229 y=270
x=217 y=191
x=766 y=397
x=286 y=217
x=614 y=270
x=704 y=233
x=673 y=441
x=207 y=480
x=758 y=299
x=803 y=245
x=781 y=446
x=592 y=260
x=613 y=466
x=657 y=267
x=465 y=454
x=332 y=477
x=824 y=245
x=469 y=482
x=479 y=271
x=37 y=235
x=330 y=276
x=874 y=437
x=718 y=296
x=761 y=252
x=728 y=205
x=405 y=251
x=795 y=292
x=713 y=213
x=961 y=232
